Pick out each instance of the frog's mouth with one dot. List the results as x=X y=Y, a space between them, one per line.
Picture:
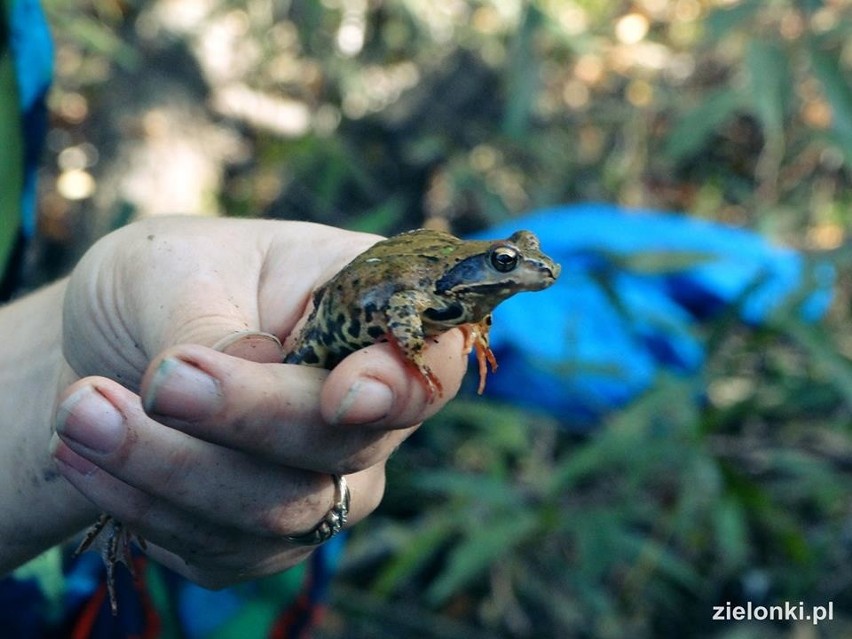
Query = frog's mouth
x=447 y=314
x=543 y=277
x=499 y=289
x=529 y=280
x=470 y=276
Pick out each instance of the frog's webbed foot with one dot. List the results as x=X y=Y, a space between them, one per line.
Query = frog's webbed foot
x=114 y=542
x=476 y=336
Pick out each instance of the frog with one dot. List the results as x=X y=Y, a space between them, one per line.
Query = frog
x=405 y=290
x=413 y=287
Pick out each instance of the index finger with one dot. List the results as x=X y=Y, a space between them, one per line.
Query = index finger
x=298 y=415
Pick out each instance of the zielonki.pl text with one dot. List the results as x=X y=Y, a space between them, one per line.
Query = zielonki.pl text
x=788 y=611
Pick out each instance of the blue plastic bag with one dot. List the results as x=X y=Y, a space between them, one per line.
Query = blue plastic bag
x=32 y=49
x=634 y=289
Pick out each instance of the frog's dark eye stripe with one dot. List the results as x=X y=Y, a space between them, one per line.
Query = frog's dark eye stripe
x=504 y=259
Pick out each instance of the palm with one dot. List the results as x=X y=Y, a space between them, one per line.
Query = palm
x=170 y=281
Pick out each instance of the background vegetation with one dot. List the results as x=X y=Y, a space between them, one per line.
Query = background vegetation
x=389 y=114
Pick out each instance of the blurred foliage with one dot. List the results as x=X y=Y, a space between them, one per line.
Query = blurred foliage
x=469 y=112
x=636 y=530
x=380 y=115
x=474 y=111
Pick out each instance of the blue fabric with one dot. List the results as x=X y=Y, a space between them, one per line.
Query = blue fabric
x=32 y=49
x=614 y=321
x=22 y=608
x=203 y=611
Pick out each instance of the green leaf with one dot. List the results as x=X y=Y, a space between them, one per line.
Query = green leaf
x=506 y=427
x=482 y=489
x=693 y=130
x=770 y=82
x=720 y=22
x=381 y=218
x=731 y=527
x=470 y=558
x=11 y=158
x=102 y=39
x=522 y=76
x=837 y=88
x=781 y=524
x=700 y=490
x=660 y=559
x=416 y=551
x=824 y=352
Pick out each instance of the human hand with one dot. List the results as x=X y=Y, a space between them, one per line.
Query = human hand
x=214 y=457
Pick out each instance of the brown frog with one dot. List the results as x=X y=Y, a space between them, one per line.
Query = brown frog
x=417 y=285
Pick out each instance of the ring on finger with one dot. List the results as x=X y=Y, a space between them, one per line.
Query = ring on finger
x=333 y=521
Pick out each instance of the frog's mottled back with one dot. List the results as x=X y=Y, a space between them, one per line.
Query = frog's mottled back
x=417 y=285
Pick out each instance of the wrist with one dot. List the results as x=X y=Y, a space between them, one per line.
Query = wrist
x=39 y=507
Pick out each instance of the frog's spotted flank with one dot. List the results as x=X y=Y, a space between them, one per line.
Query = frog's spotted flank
x=417 y=285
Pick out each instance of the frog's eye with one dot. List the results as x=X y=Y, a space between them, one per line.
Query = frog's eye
x=504 y=259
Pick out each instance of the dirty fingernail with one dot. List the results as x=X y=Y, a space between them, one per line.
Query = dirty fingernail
x=367 y=400
x=89 y=419
x=182 y=391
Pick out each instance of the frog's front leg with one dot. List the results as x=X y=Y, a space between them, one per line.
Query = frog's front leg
x=476 y=337
x=405 y=329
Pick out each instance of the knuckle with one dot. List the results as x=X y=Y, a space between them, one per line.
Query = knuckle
x=368 y=448
x=354 y=464
x=298 y=515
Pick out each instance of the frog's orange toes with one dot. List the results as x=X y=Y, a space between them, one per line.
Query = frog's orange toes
x=476 y=336
x=484 y=356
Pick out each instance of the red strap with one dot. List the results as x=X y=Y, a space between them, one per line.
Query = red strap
x=84 y=625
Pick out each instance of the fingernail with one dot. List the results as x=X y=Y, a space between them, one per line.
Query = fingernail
x=368 y=400
x=182 y=391
x=67 y=458
x=254 y=346
x=88 y=418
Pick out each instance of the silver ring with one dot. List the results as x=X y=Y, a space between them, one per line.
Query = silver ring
x=333 y=521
